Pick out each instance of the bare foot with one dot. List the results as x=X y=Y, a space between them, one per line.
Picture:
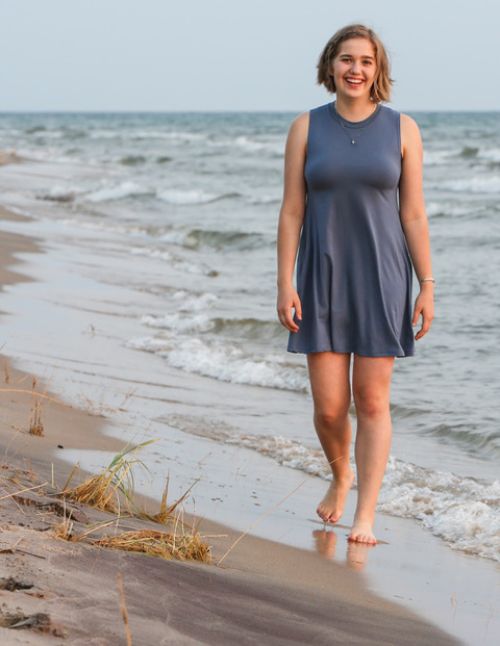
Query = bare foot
x=361 y=532
x=330 y=509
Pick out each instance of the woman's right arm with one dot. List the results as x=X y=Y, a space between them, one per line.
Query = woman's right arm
x=290 y=220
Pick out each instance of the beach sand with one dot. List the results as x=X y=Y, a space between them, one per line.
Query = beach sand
x=263 y=591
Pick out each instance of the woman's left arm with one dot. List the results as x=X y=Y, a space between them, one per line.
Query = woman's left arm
x=414 y=220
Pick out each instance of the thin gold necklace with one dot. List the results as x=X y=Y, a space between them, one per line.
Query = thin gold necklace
x=339 y=121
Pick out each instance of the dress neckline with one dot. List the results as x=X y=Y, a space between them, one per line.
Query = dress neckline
x=353 y=124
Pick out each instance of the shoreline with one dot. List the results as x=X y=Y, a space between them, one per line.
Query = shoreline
x=256 y=563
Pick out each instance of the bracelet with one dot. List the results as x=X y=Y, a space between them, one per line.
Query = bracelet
x=425 y=280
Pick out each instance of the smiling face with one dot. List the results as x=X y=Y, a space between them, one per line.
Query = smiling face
x=354 y=68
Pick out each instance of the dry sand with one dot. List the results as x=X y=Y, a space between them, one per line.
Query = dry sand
x=263 y=592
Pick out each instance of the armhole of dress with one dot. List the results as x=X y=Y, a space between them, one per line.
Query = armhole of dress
x=399 y=136
x=308 y=137
x=307 y=149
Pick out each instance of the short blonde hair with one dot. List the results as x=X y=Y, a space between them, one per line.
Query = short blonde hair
x=381 y=88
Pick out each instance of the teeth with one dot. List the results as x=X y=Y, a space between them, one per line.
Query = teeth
x=357 y=82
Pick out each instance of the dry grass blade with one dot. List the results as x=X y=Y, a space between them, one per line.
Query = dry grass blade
x=15 y=493
x=64 y=530
x=156 y=543
x=166 y=511
x=123 y=608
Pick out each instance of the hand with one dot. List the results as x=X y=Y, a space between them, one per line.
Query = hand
x=424 y=304
x=288 y=298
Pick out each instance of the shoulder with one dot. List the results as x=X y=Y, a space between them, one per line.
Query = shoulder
x=411 y=139
x=298 y=130
x=301 y=121
x=409 y=127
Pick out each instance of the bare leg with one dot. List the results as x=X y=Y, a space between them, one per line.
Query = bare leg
x=329 y=377
x=371 y=381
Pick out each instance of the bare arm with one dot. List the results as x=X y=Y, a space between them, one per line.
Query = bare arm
x=414 y=219
x=290 y=220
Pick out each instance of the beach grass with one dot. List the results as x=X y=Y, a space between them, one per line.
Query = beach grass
x=112 y=487
x=166 y=545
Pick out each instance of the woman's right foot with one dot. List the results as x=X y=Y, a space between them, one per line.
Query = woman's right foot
x=331 y=508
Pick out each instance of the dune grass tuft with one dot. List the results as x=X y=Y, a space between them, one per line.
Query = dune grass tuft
x=36 y=424
x=107 y=490
x=157 y=543
x=166 y=513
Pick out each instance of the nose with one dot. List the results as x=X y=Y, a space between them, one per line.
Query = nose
x=355 y=67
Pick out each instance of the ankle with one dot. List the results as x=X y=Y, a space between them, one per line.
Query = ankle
x=364 y=517
x=344 y=476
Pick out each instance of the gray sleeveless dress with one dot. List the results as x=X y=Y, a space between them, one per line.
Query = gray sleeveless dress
x=354 y=272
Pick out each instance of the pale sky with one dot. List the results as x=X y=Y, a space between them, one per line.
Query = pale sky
x=228 y=55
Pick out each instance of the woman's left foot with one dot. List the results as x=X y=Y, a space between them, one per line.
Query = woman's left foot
x=361 y=532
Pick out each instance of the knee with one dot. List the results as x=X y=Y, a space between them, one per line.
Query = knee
x=370 y=402
x=332 y=417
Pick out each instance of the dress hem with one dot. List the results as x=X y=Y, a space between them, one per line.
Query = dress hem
x=361 y=354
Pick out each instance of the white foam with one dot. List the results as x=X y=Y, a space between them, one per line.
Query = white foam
x=187 y=197
x=433 y=208
x=275 y=147
x=438 y=157
x=117 y=192
x=264 y=199
x=473 y=184
x=174 y=261
x=179 y=322
x=224 y=361
x=463 y=511
x=491 y=154
x=190 y=315
x=190 y=302
x=163 y=254
x=60 y=193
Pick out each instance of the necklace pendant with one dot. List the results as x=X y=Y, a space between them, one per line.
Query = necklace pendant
x=353 y=141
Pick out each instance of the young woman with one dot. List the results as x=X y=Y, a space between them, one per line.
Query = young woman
x=346 y=164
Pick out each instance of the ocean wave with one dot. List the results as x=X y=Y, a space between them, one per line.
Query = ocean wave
x=132 y=160
x=174 y=261
x=474 y=184
x=190 y=315
x=224 y=361
x=464 y=512
x=106 y=192
x=117 y=192
x=474 y=439
x=194 y=196
x=437 y=157
x=101 y=194
x=491 y=154
x=60 y=194
x=445 y=208
x=141 y=134
x=216 y=239
x=265 y=199
x=35 y=129
x=275 y=147
x=250 y=328
x=403 y=412
x=468 y=151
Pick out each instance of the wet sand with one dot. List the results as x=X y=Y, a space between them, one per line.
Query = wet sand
x=262 y=591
